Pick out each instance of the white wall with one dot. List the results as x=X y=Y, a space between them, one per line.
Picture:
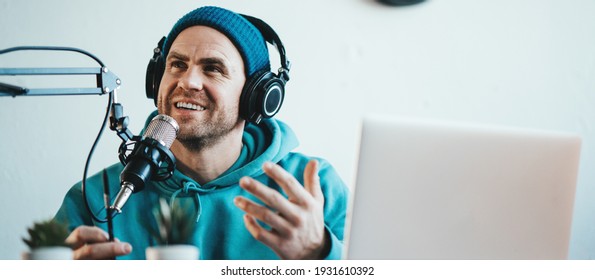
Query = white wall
x=526 y=63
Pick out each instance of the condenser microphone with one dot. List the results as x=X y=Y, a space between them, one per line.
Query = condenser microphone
x=147 y=157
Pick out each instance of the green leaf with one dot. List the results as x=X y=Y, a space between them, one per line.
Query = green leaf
x=47 y=233
x=175 y=224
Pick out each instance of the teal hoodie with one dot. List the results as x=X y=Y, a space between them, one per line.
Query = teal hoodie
x=220 y=231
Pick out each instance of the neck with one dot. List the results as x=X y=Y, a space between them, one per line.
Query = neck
x=206 y=164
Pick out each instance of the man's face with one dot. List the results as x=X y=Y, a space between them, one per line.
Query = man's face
x=202 y=84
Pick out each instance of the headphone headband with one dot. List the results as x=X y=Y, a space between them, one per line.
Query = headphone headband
x=271 y=36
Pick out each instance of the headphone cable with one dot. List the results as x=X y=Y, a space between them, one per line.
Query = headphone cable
x=103 y=125
x=88 y=161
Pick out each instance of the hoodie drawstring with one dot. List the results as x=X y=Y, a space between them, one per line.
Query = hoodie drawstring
x=187 y=187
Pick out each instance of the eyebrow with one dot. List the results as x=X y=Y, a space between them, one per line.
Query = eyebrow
x=212 y=61
x=205 y=61
x=178 y=56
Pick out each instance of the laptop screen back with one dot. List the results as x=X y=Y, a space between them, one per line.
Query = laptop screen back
x=445 y=190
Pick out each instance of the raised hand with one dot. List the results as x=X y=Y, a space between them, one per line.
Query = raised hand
x=297 y=222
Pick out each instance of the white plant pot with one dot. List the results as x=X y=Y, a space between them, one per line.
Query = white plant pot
x=49 y=253
x=172 y=252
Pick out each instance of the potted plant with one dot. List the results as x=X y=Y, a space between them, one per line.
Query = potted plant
x=47 y=241
x=175 y=226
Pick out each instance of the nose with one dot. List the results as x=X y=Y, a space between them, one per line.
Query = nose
x=192 y=80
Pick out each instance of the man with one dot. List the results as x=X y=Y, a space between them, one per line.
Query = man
x=254 y=198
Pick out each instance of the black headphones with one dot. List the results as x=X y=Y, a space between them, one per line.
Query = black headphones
x=264 y=91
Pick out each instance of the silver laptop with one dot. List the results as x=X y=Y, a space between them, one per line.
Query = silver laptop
x=447 y=190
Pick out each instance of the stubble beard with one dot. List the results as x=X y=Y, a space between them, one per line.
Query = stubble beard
x=205 y=133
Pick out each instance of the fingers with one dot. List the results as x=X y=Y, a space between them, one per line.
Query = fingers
x=277 y=222
x=294 y=190
x=268 y=196
x=312 y=181
x=259 y=233
x=86 y=234
x=92 y=243
x=298 y=195
x=101 y=251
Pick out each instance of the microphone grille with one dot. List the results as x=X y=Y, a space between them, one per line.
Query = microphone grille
x=162 y=128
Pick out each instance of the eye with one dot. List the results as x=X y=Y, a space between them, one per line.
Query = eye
x=178 y=64
x=213 y=69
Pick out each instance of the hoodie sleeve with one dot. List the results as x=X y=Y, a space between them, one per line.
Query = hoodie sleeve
x=73 y=210
x=335 y=207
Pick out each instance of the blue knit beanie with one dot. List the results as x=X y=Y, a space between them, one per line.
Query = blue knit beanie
x=245 y=36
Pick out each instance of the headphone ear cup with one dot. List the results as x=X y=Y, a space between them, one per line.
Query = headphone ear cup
x=155 y=70
x=272 y=98
x=262 y=97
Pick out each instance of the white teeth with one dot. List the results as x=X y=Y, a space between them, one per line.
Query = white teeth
x=190 y=106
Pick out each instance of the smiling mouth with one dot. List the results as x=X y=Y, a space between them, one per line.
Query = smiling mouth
x=189 y=106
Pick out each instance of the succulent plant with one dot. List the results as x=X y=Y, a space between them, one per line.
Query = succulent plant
x=47 y=233
x=175 y=224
